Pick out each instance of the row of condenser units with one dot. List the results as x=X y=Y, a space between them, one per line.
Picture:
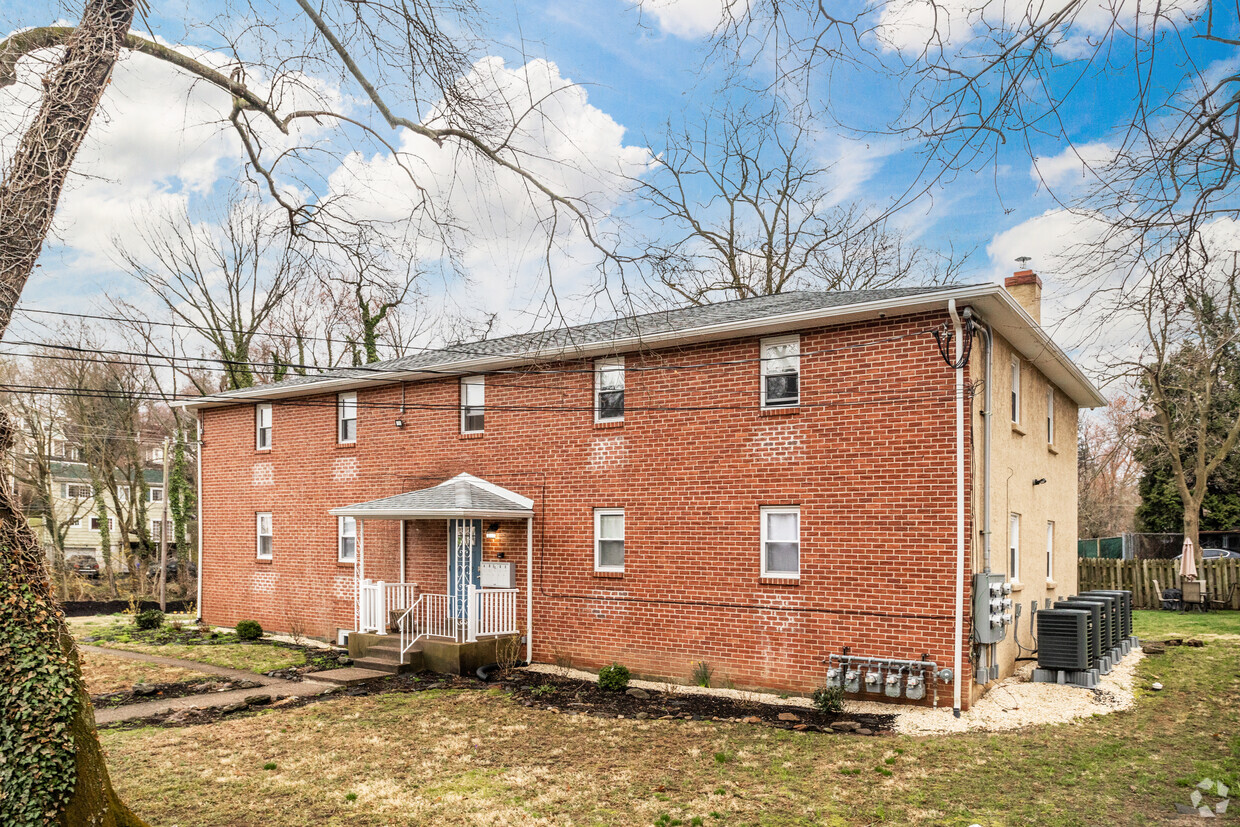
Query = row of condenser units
x=1086 y=634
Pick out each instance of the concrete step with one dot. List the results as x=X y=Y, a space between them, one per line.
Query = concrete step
x=349 y=675
x=389 y=666
x=390 y=643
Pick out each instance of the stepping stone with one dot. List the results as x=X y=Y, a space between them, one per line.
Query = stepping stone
x=637 y=692
x=349 y=676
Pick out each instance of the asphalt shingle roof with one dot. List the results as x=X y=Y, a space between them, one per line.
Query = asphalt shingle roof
x=454 y=495
x=625 y=327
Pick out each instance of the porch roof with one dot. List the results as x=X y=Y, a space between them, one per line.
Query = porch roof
x=462 y=496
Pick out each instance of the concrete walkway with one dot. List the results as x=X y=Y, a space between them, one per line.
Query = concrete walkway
x=206 y=700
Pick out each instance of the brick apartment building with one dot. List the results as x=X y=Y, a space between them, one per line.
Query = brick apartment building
x=757 y=484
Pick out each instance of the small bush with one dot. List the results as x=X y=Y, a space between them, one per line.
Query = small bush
x=249 y=630
x=542 y=689
x=270 y=765
x=150 y=619
x=829 y=699
x=702 y=673
x=613 y=678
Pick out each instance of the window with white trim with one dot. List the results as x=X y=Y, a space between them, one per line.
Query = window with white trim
x=781 y=541
x=473 y=404
x=157 y=533
x=1050 y=551
x=1050 y=416
x=155 y=494
x=1014 y=547
x=346 y=549
x=609 y=390
x=263 y=547
x=781 y=371
x=1016 y=389
x=94 y=524
x=262 y=426
x=76 y=491
x=609 y=539
x=346 y=418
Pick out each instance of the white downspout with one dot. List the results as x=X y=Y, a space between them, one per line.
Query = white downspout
x=529 y=589
x=198 y=421
x=957 y=680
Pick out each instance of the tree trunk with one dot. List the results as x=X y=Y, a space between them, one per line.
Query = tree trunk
x=37 y=170
x=1192 y=528
x=53 y=770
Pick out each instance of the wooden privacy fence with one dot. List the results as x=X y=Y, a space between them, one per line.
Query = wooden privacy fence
x=1138 y=576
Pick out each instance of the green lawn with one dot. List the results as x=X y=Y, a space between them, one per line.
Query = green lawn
x=1156 y=625
x=118 y=632
x=477 y=758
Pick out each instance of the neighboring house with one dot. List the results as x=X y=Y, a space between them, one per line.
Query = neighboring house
x=73 y=499
x=758 y=485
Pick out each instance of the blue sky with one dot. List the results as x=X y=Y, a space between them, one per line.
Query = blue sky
x=159 y=145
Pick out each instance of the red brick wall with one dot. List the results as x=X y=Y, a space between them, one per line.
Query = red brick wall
x=869 y=458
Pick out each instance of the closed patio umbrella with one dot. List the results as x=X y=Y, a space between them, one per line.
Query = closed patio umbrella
x=1188 y=561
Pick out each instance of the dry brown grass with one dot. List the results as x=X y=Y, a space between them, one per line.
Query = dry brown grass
x=104 y=673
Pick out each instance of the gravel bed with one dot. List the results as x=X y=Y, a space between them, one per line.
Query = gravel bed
x=1012 y=703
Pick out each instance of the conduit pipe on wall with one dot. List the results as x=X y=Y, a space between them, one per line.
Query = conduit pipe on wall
x=958 y=335
x=987 y=417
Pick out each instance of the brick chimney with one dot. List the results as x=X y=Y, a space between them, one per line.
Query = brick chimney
x=1026 y=288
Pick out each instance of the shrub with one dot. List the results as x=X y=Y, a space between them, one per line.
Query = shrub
x=829 y=699
x=702 y=673
x=150 y=619
x=613 y=678
x=249 y=630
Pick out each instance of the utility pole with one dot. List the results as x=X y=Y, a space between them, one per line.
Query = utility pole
x=163 y=538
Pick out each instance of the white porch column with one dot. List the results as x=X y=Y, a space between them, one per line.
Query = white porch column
x=529 y=589
x=359 y=567
x=471 y=612
x=402 y=551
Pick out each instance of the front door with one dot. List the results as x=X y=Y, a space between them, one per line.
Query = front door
x=464 y=562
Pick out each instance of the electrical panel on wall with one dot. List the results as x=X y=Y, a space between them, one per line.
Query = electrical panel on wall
x=992 y=607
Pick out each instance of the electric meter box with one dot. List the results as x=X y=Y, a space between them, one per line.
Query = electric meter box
x=988 y=625
x=497 y=574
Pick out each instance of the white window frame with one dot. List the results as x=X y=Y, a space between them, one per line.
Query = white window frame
x=608 y=366
x=469 y=382
x=94 y=520
x=1050 y=551
x=151 y=494
x=259 y=535
x=1014 y=547
x=341 y=522
x=345 y=403
x=599 y=513
x=67 y=487
x=262 y=426
x=765 y=512
x=764 y=361
x=1050 y=416
x=1016 y=390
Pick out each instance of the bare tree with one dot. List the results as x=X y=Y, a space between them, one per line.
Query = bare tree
x=225 y=285
x=745 y=210
x=1107 y=470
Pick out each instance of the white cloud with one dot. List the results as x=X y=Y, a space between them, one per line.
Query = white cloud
x=1074 y=165
x=693 y=19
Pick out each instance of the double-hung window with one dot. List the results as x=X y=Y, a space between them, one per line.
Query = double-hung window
x=346 y=547
x=1014 y=547
x=609 y=390
x=263 y=544
x=155 y=494
x=74 y=491
x=781 y=371
x=781 y=541
x=346 y=418
x=262 y=427
x=1050 y=551
x=1016 y=390
x=609 y=539
x=473 y=404
x=95 y=523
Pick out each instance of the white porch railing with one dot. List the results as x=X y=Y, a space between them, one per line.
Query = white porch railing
x=487 y=612
x=378 y=600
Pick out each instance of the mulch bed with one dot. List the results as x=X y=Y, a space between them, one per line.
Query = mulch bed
x=569 y=696
x=142 y=693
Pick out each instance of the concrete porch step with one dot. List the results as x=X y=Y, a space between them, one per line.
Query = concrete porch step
x=350 y=675
x=389 y=666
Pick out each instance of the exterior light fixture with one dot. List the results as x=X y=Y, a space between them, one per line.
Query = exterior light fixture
x=1039 y=481
x=492 y=531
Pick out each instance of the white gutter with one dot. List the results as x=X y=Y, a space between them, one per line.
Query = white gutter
x=427 y=514
x=1035 y=345
x=958 y=335
x=198 y=421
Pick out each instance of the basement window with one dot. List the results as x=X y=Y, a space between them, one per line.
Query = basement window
x=781 y=371
x=609 y=539
x=346 y=418
x=609 y=390
x=262 y=427
x=781 y=541
x=473 y=404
